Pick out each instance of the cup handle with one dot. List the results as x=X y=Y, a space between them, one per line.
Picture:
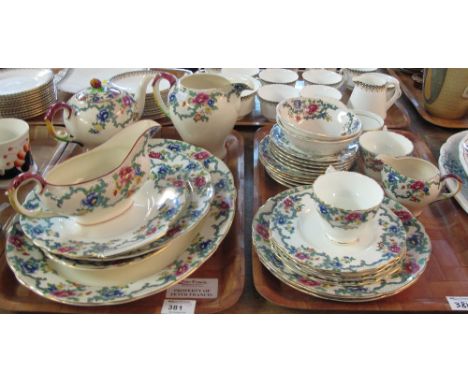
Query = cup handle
x=61 y=135
x=12 y=194
x=396 y=94
x=447 y=195
x=157 y=94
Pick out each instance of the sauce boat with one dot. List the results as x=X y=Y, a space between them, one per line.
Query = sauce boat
x=95 y=186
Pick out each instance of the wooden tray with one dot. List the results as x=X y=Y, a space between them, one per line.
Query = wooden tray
x=416 y=97
x=227 y=264
x=446 y=274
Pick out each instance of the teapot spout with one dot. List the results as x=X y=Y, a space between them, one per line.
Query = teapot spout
x=140 y=95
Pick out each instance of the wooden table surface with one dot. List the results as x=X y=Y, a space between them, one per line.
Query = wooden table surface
x=250 y=300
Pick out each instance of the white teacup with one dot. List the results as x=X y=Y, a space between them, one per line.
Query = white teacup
x=347 y=202
x=278 y=76
x=15 y=151
x=370 y=121
x=271 y=95
x=374 y=143
x=319 y=91
x=323 y=77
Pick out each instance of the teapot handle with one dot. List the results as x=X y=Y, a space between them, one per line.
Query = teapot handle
x=157 y=94
x=62 y=135
x=12 y=194
x=396 y=94
x=447 y=195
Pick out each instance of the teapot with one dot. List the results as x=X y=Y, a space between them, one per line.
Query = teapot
x=95 y=114
x=203 y=107
x=373 y=92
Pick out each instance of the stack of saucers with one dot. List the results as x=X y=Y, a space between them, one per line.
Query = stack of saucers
x=26 y=93
x=130 y=82
x=292 y=242
x=311 y=134
x=178 y=219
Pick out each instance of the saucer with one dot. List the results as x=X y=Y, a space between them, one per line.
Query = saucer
x=449 y=163
x=32 y=269
x=463 y=152
x=297 y=230
x=155 y=207
x=418 y=253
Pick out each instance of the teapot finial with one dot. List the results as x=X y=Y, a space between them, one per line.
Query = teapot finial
x=96 y=84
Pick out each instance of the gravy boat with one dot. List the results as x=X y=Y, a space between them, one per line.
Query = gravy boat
x=95 y=186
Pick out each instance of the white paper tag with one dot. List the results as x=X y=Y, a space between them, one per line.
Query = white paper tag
x=194 y=288
x=178 y=307
x=458 y=302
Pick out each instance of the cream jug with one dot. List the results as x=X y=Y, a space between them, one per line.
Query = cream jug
x=371 y=93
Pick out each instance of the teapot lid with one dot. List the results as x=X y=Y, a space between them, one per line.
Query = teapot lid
x=98 y=93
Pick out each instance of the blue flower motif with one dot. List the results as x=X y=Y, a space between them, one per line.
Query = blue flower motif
x=207 y=162
x=30 y=266
x=394 y=229
x=426 y=189
x=37 y=230
x=138 y=171
x=323 y=209
x=196 y=213
x=191 y=166
x=297 y=104
x=170 y=212
x=174 y=147
x=103 y=115
x=204 y=244
x=90 y=200
x=211 y=102
x=392 y=177
x=110 y=292
x=336 y=263
x=162 y=170
x=281 y=220
x=220 y=185
x=414 y=240
x=172 y=98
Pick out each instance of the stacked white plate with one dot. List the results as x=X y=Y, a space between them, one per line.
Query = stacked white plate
x=177 y=221
x=26 y=93
x=290 y=242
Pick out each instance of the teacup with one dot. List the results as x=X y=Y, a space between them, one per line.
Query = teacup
x=323 y=77
x=414 y=182
x=95 y=186
x=319 y=91
x=271 y=95
x=347 y=203
x=15 y=151
x=278 y=76
x=370 y=121
x=373 y=143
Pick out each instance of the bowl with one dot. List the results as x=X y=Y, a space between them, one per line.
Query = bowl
x=318 y=118
x=278 y=76
x=313 y=91
x=247 y=96
x=271 y=95
x=370 y=121
x=323 y=77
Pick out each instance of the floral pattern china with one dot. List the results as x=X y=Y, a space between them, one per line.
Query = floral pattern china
x=31 y=267
x=418 y=254
x=296 y=229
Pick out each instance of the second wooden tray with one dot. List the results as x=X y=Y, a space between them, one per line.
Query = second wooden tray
x=446 y=274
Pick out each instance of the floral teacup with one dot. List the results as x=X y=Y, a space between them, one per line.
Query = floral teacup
x=414 y=182
x=374 y=143
x=347 y=202
x=95 y=186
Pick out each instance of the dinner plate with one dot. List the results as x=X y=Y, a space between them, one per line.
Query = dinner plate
x=418 y=253
x=32 y=269
x=19 y=81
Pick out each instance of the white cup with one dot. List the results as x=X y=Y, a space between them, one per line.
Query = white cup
x=271 y=95
x=319 y=91
x=15 y=151
x=278 y=76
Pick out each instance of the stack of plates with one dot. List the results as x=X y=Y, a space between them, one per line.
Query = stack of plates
x=290 y=166
x=291 y=244
x=454 y=160
x=26 y=93
x=130 y=82
x=178 y=220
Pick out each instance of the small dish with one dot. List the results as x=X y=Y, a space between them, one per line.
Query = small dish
x=271 y=95
x=278 y=76
x=370 y=121
x=323 y=77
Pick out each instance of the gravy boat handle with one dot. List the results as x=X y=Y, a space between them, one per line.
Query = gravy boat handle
x=12 y=194
x=447 y=195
